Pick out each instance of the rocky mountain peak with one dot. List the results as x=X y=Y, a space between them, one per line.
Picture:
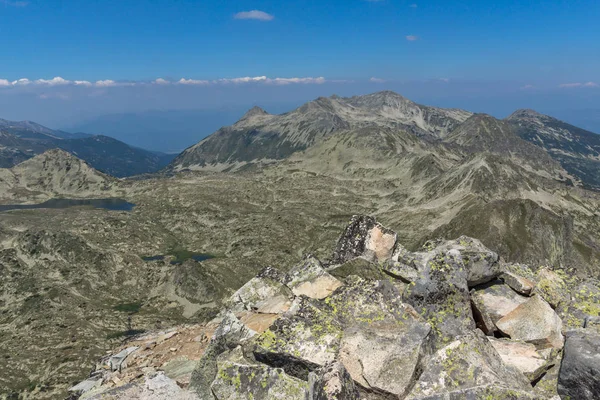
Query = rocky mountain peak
x=256 y=110
x=525 y=113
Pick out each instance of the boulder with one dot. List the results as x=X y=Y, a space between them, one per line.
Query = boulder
x=117 y=362
x=332 y=382
x=523 y=356
x=482 y=264
x=304 y=339
x=518 y=283
x=492 y=302
x=535 y=322
x=552 y=286
x=580 y=368
x=154 y=387
x=466 y=364
x=364 y=237
x=230 y=333
x=484 y=392
x=240 y=379
x=266 y=293
x=310 y=279
x=441 y=295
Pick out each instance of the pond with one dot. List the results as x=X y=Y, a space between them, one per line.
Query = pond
x=180 y=257
x=113 y=204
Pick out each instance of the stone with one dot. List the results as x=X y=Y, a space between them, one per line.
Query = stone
x=592 y=323
x=239 y=378
x=383 y=338
x=265 y=293
x=491 y=303
x=552 y=287
x=157 y=387
x=230 y=333
x=482 y=264
x=535 y=322
x=117 y=362
x=519 y=284
x=484 y=392
x=468 y=362
x=364 y=237
x=332 y=382
x=85 y=386
x=441 y=296
x=310 y=279
x=580 y=368
x=521 y=355
x=302 y=340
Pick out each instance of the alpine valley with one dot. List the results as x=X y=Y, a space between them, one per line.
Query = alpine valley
x=253 y=266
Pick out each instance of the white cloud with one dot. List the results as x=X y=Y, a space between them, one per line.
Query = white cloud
x=161 y=81
x=184 y=81
x=245 y=79
x=377 y=80
x=106 y=83
x=412 y=38
x=53 y=82
x=254 y=14
x=287 y=81
x=83 y=83
x=5 y=82
x=22 y=81
x=578 y=85
x=527 y=87
x=413 y=5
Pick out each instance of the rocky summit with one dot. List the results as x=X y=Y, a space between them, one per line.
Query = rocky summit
x=452 y=320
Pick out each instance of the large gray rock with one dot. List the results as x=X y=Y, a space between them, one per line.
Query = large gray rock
x=492 y=303
x=310 y=279
x=383 y=338
x=579 y=376
x=266 y=293
x=518 y=283
x=523 y=356
x=230 y=334
x=241 y=379
x=441 y=295
x=117 y=362
x=332 y=383
x=484 y=392
x=364 y=237
x=482 y=264
x=304 y=339
x=466 y=363
x=533 y=321
x=154 y=387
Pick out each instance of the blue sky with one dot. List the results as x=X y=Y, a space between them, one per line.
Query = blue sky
x=69 y=60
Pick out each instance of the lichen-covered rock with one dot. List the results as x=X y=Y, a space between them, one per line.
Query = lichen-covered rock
x=482 y=264
x=492 y=303
x=310 y=279
x=332 y=383
x=466 y=363
x=240 y=379
x=535 y=322
x=154 y=387
x=441 y=295
x=230 y=334
x=266 y=293
x=580 y=367
x=484 y=392
x=523 y=356
x=518 y=283
x=305 y=338
x=552 y=286
x=364 y=237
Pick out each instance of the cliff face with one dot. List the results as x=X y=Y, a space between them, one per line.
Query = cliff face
x=376 y=321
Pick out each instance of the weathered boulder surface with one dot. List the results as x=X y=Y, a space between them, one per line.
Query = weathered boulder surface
x=266 y=293
x=535 y=322
x=518 y=283
x=523 y=356
x=493 y=302
x=332 y=383
x=579 y=376
x=441 y=295
x=310 y=279
x=365 y=237
x=468 y=362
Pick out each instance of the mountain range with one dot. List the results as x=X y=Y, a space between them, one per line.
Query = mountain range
x=19 y=141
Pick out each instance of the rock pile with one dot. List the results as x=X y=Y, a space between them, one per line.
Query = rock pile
x=377 y=321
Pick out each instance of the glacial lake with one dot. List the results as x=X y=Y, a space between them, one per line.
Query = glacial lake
x=107 y=204
x=181 y=256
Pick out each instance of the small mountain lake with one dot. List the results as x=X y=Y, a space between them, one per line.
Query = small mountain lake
x=180 y=257
x=113 y=204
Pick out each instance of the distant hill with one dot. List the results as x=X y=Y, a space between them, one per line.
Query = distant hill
x=20 y=141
